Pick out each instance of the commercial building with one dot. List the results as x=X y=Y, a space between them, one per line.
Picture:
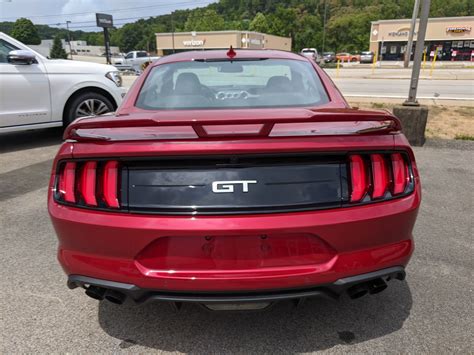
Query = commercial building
x=78 y=48
x=167 y=43
x=451 y=38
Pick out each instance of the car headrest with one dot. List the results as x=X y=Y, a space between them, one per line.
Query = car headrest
x=278 y=83
x=187 y=83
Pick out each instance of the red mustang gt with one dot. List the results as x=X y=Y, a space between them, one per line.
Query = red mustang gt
x=234 y=179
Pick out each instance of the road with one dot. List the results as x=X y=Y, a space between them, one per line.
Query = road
x=431 y=312
x=394 y=83
x=398 y=88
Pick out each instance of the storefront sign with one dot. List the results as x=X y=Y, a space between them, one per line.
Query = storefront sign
x=253 y=41
x=398 y=34
x=194 y=43
x=458 y=29
x=402 y=32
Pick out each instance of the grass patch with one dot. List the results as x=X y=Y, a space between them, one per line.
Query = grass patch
x=464 y=110
x=446 y=122
x=378 y=105
x=328 y=65
x=464 y=137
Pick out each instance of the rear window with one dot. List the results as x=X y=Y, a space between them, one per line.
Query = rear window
x=229 y=84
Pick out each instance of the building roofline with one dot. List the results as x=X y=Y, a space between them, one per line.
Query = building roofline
x=431 y=19
x=218 y=32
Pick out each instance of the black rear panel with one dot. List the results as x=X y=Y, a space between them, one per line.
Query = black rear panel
x=228 y=185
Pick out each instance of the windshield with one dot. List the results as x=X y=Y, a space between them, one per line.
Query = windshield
x=228 y=84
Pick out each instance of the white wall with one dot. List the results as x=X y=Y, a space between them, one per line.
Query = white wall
x=79 y=47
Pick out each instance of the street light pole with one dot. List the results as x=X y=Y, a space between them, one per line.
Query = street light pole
x=324 y=25
x=69 y=38
x=411 y=34
x=420 y=44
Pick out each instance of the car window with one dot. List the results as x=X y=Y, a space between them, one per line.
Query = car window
x=5 y=48
x=228 y=84
x=142 y=54
x=129 y=56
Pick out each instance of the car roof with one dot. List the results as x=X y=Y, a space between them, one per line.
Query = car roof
x=222 y=54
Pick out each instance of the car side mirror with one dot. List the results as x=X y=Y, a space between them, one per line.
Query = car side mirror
x=21 y=57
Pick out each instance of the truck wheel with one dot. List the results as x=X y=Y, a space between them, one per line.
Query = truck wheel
x=87 y=104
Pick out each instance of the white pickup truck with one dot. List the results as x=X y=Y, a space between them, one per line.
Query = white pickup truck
x=133 y=60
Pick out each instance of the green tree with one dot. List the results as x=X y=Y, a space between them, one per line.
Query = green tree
x=204 y=20
x=259 y=23
x=349 y=31
x=283 y=22
x=24 y=31
x=129 y=36
x=57 y=50
x=310 y=33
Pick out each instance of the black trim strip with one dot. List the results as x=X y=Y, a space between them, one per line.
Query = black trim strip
x=333 y=290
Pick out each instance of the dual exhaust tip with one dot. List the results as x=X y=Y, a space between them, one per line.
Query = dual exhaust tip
x=370 y=287
x=99 y=293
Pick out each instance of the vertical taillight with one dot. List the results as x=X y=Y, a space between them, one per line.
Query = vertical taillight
x=387 y=175
x=110 y=184
x=89 y=184
x=358 y=178
x=400 y=174
x=380 y=178
x=67 y=182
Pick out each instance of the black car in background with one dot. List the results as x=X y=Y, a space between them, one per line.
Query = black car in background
x=329 y=57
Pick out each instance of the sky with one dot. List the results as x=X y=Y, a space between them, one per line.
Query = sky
x=81 y=13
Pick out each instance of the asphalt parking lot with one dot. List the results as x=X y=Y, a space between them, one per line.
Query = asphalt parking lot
x=430 y=313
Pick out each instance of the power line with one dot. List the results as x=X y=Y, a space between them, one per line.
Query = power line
x=115 y=10
x=93 y=21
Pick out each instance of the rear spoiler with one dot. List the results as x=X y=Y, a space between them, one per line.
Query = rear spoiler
x=307 y=123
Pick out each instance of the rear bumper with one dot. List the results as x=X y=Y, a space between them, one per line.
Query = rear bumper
x=352 y=241
x=332 y=290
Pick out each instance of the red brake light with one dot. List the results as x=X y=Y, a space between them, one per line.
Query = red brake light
x=379 y=175
x=358 y=178
x=400 y=174
x=96 y=184
x=67 y=181
x=110 y=184
x=88 y=183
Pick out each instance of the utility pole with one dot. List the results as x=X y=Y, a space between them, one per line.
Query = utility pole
x=411 y=114
x=324 y=25
x=69 y=38
x=172 y=31
x=420 y=44
x=406 y=63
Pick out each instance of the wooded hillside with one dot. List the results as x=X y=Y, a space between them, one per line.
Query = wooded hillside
x=347 y=21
